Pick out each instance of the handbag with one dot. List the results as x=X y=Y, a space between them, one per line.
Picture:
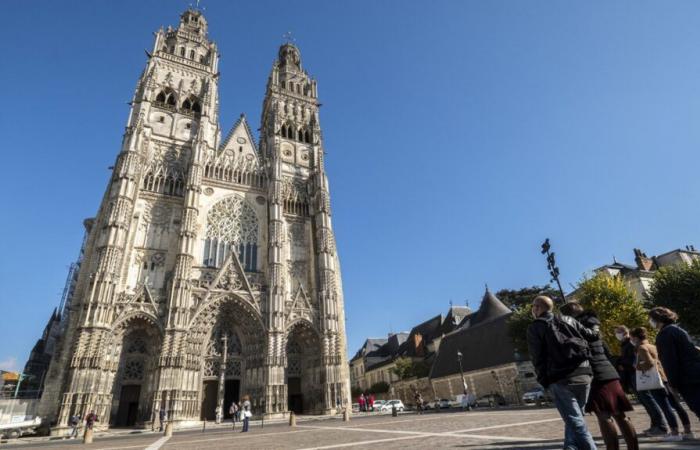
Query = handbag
x=247 y=414
x=649 y=379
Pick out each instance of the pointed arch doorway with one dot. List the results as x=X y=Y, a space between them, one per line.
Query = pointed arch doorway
x=304 y=374
x=221 y=378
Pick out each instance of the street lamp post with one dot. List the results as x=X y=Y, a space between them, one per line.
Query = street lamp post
x=552 y=266
x=461 y=371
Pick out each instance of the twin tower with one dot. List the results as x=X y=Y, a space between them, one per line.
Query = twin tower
x=210 y=271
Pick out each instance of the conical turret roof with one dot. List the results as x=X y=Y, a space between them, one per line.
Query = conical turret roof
x=491 y=308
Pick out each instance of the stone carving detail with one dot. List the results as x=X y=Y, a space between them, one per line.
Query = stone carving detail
x=298 y=270
x=133 y=370
x=230 y=280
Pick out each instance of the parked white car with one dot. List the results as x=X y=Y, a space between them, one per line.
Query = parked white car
x=388 y=406
x=378 y=404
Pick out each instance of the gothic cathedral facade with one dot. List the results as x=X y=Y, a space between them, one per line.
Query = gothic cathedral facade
x=210 y=271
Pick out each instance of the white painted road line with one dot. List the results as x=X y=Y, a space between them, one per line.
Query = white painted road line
x=507 y=425
x=158 y=444
x=423 y=433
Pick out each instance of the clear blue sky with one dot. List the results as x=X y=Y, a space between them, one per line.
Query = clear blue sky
x=459 y=135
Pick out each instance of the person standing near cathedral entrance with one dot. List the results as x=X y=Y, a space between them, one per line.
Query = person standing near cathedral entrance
x=247 y=413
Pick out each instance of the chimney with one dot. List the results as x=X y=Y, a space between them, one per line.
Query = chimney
x=643 y=262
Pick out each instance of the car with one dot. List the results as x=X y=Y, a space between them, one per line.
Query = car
x=443 y=403
x=377 y=405
x=389 y=405
x=491 y=400
x=536 y=395
x=355 y=407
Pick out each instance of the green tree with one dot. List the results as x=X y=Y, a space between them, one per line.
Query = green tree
x=407 y=368
x=523 y=297
x=678 y=287
x=517 y=327
x=379 y=387
x=403 y=368
x=614 y=304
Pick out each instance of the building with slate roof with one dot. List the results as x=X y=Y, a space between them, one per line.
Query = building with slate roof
x=376 y=359
x=490 y=362
x=639 y=276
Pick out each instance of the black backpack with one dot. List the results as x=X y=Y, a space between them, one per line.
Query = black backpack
x=566 y=348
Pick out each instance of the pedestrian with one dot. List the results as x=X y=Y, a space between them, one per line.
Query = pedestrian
x=625 y=363
x=649 y=368
x=679 y=357
x=217 y=414
x=371 y=402
x=607 y=400
x=75 y=424
x=90 y=420
x=626 y=368
x=361 y=401
x=233 y=411
x=247 y=413
x=419 y=401
x=162 y=416
x=560 y=353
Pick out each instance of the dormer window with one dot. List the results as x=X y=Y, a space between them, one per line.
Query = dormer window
x=182 y=51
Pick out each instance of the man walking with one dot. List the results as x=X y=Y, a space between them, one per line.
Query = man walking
x=559 y=350
x=75 y=424
x=161 y=417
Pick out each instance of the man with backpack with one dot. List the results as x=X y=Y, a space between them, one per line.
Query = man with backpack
x=560 y=353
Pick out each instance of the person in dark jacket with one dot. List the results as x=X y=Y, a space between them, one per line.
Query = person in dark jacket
x=568 y=379
x=625 y=363
x=607 y=399
x=679 y=357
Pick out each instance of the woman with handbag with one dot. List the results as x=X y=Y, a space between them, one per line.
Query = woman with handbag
x=247 y=414
x=651 y=377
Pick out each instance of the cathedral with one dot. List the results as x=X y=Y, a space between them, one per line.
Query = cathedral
x=210 y=271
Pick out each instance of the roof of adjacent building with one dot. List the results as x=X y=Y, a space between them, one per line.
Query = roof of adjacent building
x=491 y=308
x=483 y=340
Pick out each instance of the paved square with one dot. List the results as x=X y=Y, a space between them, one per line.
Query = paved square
x=529 y=428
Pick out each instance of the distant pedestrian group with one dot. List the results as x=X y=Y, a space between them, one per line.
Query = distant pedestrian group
x=366 y=402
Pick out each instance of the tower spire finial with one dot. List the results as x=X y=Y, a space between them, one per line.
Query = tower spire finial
x=288 y=38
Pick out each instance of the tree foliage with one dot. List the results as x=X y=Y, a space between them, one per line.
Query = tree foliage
x=406 y=368
x=380 y=387
x=517 y=327
x=614 y=304
x=677 y=287
x=516 y=299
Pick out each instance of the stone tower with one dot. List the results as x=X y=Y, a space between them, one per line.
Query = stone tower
x=211 y=270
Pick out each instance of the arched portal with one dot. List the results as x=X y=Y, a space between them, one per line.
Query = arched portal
x=228 y=339
x=135 y=350
x=304 y=375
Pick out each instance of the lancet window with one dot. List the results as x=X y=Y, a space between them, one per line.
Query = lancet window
x=166 y=98
x=192 y=105
x=232 y=228
x=164 y=180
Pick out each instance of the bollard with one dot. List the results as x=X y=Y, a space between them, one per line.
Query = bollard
x=394 y=411
x=169 y=429
x=346 y=415
x=87 y=437
x=292 y=419
x=204 y=425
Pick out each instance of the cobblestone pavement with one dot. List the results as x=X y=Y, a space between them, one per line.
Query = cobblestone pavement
x=532 y=428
